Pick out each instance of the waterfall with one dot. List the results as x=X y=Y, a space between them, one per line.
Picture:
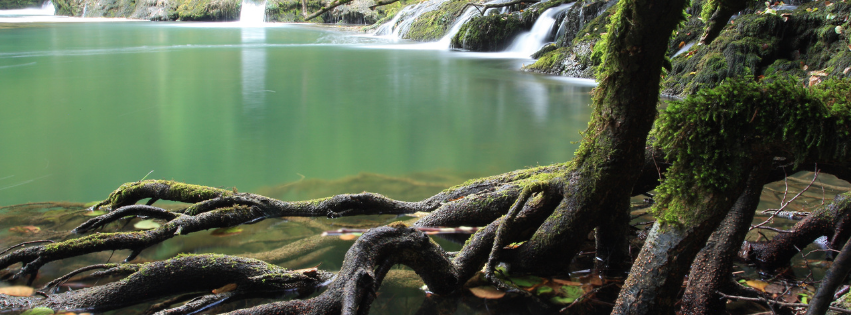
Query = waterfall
x=399 y=25
x=46 y=9
x=252 y=12
x=528 y=43
x=685 y=48
x=461 y=20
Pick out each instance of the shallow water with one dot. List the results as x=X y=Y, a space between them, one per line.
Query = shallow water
x=293 y=112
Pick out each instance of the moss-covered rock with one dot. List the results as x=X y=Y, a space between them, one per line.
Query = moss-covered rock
x=810 y=44
x=95 y=8
x=432 y=25
x=155 y=10
x=20 y=4
x=580 y=29
x=209 y=10
x=488 y=33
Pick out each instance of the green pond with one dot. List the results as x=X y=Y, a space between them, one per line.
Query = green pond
x=289 y=111
x=88 y=106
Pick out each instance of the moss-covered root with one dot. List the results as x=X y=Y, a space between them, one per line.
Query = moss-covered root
x=717 y=13
x=185 y=274
x=364 y=268
x=131 y=193
x=711 y=269
x=34 y=257
x=832 y=220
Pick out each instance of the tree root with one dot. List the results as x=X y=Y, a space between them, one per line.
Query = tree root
x=830 y=220
x=182 y=275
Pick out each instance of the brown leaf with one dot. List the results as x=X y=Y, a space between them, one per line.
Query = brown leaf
x=775 y=288
x=18 y=290
x=682 y=44
x=25 y=229
x=226 y=288
x=487 y=292
x=348 y=237
x=566 y=282
x=757 y=284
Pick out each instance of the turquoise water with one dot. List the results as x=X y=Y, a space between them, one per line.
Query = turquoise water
x=88 y=106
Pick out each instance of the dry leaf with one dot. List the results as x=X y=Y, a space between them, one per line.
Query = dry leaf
x=348 y=237
x=487 y=292
x=18 y=290
x=682 y=44
x=25 y=229
x=757 y=284
x=775 y=288
x=226 y=288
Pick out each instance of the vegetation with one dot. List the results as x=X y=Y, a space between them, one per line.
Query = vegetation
x=708 y=156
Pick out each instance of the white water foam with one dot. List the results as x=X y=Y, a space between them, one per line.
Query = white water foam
x=252 y=12
x=528 y=43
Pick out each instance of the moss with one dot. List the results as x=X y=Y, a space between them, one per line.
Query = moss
x=20 y=4
x=549 y=60
x=708 y=135
x=432 y=25
x=765 y=43
x=487 y=33
x=208 y=10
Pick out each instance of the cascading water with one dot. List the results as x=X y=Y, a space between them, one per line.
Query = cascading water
x=252 y=12
x=528 y=43
x=46 y=9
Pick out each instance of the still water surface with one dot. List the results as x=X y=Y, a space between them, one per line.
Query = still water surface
x=88 y=106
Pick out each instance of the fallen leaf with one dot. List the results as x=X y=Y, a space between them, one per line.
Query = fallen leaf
x=526 y=281
x=228 y=231
x=25 y=229
x=757 y=284
x=348 y=237
x=774 y=288
x=39 y=311
x=847 y=69
x=146 y=225
x=487 y=292
x=820 y=73
x=566 y=282
x=682 y=44
x=226 y=288
x=18 y=290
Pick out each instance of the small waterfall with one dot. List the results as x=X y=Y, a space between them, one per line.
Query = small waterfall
x=685 y=48
x=46 y=9
x=400 y=23
x=252 y=12
x=85 y=6
x=528 y=43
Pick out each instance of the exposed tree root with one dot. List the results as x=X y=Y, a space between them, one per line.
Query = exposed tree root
x=176 y=276
x=831 y=220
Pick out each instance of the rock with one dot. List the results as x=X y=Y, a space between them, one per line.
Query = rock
x=488 y=33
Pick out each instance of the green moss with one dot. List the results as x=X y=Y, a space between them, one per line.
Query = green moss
x=20 y=4
x=208 y=10
x=708 y=135
x=549 y=60
x=432 y=25
x=487 y=33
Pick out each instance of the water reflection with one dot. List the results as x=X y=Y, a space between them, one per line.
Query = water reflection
x=253 y=69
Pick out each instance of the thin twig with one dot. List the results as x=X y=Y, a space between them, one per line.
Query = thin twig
x=767 y=301
x=783 y=203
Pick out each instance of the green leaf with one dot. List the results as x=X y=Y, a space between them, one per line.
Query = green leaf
x=526 y=281
x=543 y=290
x=39 y=311
x=146 y=225
x=95 y=213
x=562 y=300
